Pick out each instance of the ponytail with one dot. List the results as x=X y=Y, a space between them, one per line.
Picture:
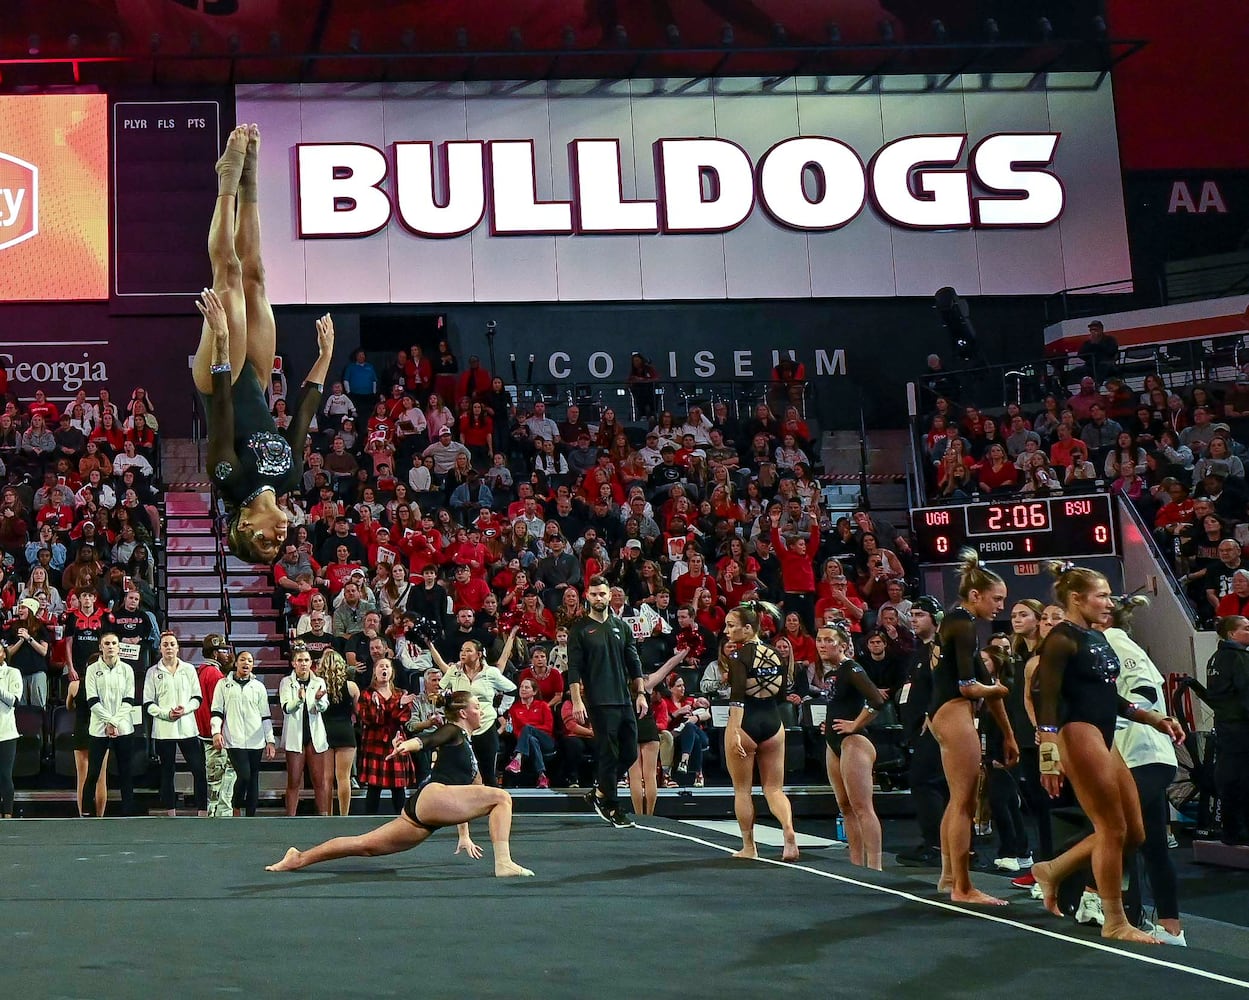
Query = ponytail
x=974 y=575
x=1070 y=579
x=751 y=612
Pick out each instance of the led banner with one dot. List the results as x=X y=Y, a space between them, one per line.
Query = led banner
x=53 y=197
x=729 y=189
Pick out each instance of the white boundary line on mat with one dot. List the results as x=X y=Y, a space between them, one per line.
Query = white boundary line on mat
x=966 y=912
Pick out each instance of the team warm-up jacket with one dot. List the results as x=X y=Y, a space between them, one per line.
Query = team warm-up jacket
x=163 y=691
x=295 y=710
x=10 y=692
x=241 y=713
x=603 y=658
x=110 y=697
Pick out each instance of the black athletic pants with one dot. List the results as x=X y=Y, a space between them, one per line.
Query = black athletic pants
x=193 y=754
x=8 y=753
x=929 y=792
x=1231 y=778
x=486 y=750
x=1152 y=781
x=1037 y=799
x=615 y=745
x=97 y=747
x=246 y=764
x=1004 y=807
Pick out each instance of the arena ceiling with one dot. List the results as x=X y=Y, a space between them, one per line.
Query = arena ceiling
x=215 y=42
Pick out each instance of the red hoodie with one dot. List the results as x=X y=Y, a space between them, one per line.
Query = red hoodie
x=797 y=571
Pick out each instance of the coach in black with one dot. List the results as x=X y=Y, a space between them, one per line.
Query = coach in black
x=605 y=684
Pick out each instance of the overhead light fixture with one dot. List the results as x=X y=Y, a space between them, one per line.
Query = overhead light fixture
x=673 y=34
x=955 y=316
x=620 y=36
x=779 y=35
x=726 y=35
x=991 y=31
x=1045 y=28
x=887 y=34
x=1100 y=31
x=939 y=34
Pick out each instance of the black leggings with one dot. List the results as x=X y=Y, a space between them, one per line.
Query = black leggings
x=246 y=764
x=1037 y=798
x=97 y=748
x=486 y=749
x=373 y=800
x=1152 y=781
x=1004 y=807
x=193 y=754
x=8 y=753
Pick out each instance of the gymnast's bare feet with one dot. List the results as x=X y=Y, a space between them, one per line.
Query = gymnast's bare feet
x=230 y=166
x=292 y=861
x=790 y=851
x=510 y=869
x=1044 y=876
x=977 y=897
x=748 y=852
x=247 y=180
x=1126 y=932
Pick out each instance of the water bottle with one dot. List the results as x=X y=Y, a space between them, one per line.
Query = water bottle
x=840 y=833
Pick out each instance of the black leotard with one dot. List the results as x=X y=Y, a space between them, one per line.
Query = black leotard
x=960 y=658
x=246 y=451
x=756 y=686
x=850 y=689
x=1077 y=673
x=339 y=732
x=455 y=764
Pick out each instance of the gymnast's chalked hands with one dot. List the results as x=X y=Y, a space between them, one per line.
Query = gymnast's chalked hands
x=325 y=336
x=214 y=314
x=466 y=844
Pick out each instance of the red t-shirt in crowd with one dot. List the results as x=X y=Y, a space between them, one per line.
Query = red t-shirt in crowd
x=548 y=686
x=209 y=676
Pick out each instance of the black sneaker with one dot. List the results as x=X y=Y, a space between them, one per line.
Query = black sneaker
x=620 y=820
x=919 y=857
x=599 y=805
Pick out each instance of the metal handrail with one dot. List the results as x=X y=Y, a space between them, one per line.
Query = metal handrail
x=1160 y=559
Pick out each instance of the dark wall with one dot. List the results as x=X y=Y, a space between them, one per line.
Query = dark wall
x=885 y=342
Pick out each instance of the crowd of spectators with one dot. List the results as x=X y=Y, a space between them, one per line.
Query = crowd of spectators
x=434 y=510
x=1177 y=453
x=79 y=524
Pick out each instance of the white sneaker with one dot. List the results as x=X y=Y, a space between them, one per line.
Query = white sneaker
x=1006 y=864
x=1166 y=937
x=1025 y=861
x=1036 y=891
x=1090 y=910
x=1172 y=842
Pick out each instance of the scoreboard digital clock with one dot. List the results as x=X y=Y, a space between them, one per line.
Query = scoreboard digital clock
x=1050 y=528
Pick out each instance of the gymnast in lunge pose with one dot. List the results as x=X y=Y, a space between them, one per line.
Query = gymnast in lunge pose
x=1076 y=710
x=250 y=460
x=451 y=796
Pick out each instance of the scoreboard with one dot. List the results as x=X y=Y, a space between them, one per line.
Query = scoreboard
x=164 y=189
x=1024 y=529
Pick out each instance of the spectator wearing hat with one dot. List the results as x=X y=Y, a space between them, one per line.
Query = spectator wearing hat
x=444 y=452
x=583 y=455
x=1099 y=354
x=341 y=534
x=28 y=645
x=471 y=497
x=1227 y=498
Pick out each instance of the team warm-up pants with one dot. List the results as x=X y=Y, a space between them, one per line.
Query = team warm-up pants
x=615 y=744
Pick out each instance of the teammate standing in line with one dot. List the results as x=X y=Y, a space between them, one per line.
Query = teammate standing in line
x=605 y=685
x=757 y=683
x=956 y=687
x=1076 y=713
